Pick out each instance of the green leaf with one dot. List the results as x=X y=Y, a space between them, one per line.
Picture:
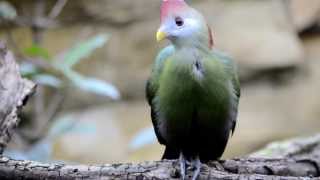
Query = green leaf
x=92 y=85
x=48 y=80
x=83 y=50
x=98 y=87
x=7 y=11
x=61 y=125
x=28 y=69
x=143 y=138
x=69 y=124
x=37 y=51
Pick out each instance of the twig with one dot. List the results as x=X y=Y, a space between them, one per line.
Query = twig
x=43 y=117
x=57 y=9
x=37 y=30
x=39 y=122
x=35 y=61
x=12 y=42
x=54 y=105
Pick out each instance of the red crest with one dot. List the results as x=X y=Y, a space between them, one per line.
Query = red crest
x=170 y=6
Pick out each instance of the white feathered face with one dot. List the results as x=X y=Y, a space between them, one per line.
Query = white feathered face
x=181 y=23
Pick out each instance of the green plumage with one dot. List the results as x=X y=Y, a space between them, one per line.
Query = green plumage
x=193 y=94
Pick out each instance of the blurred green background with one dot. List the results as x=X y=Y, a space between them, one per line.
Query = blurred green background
x=91 y=60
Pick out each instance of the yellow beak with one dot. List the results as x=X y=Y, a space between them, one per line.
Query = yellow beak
x=161 y=36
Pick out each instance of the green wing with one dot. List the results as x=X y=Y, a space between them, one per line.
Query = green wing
x=231 y=69
x=153 y=85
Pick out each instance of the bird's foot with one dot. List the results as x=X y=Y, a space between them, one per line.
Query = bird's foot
x=182 y=161
x=217 y=165
x=196 y=164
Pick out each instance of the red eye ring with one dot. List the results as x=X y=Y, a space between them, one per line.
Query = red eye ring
x=179 y=21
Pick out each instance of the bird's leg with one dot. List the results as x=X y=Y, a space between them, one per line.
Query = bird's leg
x=182 y=161
x=196 y=163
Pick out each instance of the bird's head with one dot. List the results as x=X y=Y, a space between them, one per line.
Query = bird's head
x=183 y=25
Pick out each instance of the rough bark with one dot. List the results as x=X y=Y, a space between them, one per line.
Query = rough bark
x=290 y=148
x=284 y=169
x=14 y=91
x=299 y=159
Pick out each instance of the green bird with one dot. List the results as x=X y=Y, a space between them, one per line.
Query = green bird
x=193 y=90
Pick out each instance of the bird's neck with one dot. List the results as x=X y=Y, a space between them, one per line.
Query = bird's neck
x=192 y=46
x=189 y=61
x=201 y=42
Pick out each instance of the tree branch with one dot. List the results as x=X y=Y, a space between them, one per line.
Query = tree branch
x=284 y=169
x=14 y=91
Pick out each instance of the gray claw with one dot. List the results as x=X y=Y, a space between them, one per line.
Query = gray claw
x=197 y=164
x=182 y=161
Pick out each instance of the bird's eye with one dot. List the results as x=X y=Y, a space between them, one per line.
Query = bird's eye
x=179 y=21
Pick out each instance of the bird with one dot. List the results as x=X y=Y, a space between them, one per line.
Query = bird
x=193 y=90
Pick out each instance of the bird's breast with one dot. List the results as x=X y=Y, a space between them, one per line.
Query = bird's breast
x=192 y=80
x=198 y=70
x=188 y=87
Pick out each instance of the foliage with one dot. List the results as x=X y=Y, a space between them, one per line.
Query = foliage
x=7 y=11
x=54 y=73
x=83 y=50
x=62 y=66
x=37 y=51
x=143 y=138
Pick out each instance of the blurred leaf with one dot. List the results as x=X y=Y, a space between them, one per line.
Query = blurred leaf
x=83 y=50
x=61 y=126
x=37 y=51
x=68 y=124
x=48 y=80
x=16 y=154
x=84 y=128
x=74 y=56
x=143 y=138
x=7 y=11
x=41 y=151
x=98 y=87
x=92 y=85
x=28 y=69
